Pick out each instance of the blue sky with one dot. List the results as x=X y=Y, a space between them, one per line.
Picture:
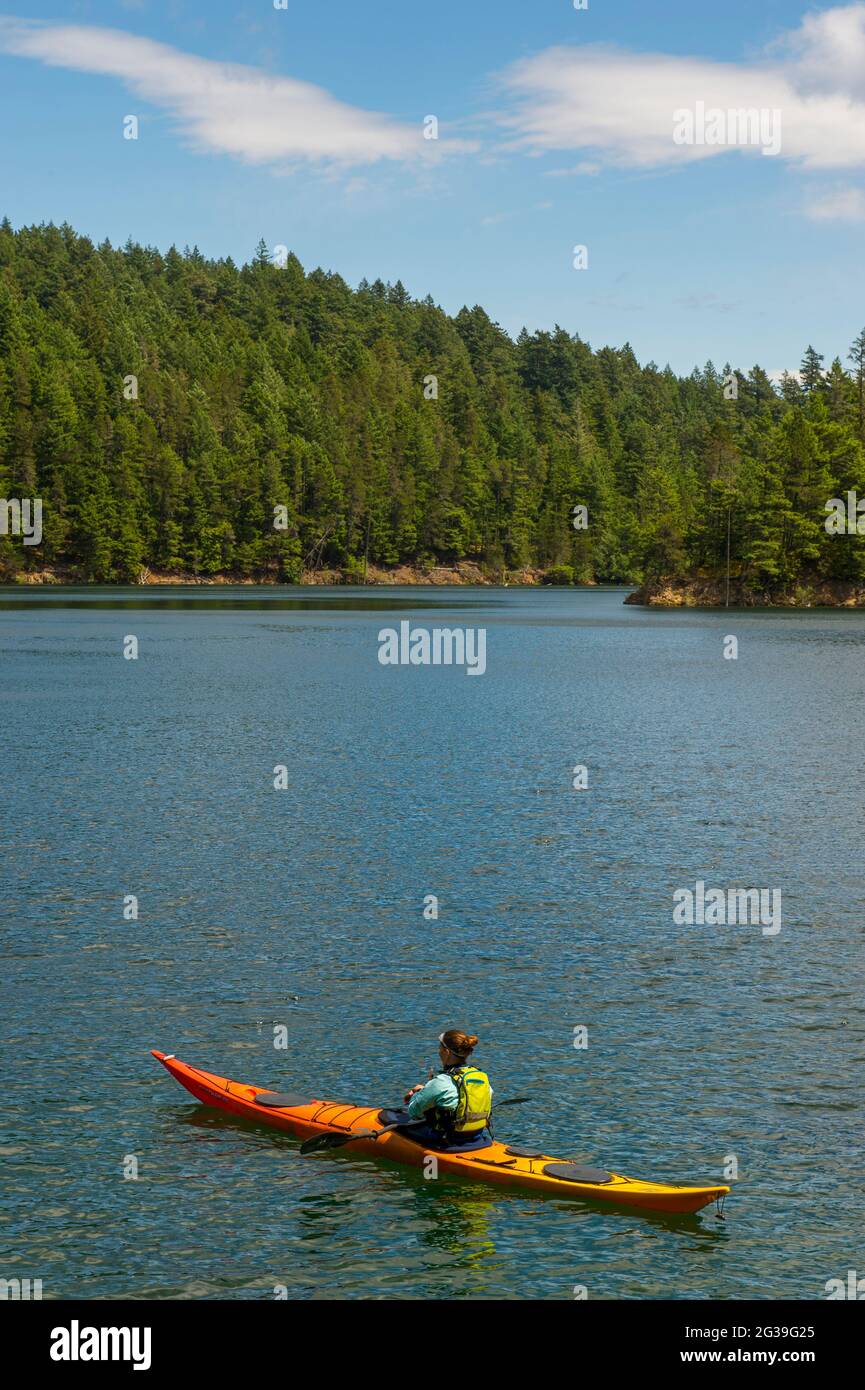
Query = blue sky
x=304 y=126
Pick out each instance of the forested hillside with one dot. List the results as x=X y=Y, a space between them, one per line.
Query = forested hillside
x=264 y=386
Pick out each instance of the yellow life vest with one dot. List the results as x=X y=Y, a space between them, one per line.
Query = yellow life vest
x=475 y=1099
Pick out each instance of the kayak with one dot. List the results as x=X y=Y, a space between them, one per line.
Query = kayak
x=501 y=1164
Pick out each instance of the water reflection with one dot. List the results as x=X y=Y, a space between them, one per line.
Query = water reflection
x=275 y=599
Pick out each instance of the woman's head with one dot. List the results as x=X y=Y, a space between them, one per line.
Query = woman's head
x=455 y=1046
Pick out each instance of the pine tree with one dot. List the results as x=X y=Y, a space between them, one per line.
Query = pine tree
x=811 y=370
x=856 y=355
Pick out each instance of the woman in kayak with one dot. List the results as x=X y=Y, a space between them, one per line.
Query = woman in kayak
x=457 y=1103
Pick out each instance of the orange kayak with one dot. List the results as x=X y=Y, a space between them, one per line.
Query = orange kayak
x=504 y=1166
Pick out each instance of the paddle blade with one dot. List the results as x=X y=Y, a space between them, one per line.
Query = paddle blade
x=322 y=1141
x=332 y=1141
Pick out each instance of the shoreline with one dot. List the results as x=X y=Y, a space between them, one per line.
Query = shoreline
x=462 y=573
x=712 y=593
x=667 y=592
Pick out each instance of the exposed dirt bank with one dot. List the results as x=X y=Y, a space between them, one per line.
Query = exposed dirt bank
x=463 y=572
x=712 y=593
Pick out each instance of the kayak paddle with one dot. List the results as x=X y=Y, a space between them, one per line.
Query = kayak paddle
x=336 y=1141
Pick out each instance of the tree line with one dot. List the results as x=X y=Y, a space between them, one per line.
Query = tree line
x=192 y=415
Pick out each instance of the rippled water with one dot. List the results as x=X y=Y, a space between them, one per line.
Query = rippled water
x=304 y=908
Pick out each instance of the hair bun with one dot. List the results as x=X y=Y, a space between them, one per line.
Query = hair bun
x=460 y=1043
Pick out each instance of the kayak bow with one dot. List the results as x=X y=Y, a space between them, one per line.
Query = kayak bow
x=530 y=1170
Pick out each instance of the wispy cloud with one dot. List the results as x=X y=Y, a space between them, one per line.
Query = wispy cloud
x=228 y=108
x=708 y=303
x=606 y=104
x=842 y=205
x=619 y=105
x=585 y=168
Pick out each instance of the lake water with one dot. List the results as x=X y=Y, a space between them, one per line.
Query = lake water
x=303 y=908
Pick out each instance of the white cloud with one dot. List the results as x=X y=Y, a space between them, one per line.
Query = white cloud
x=585 y=167
x=827 y=50
x=225 y=107
x=620 y=105
x=606 y=104
x=843 y=205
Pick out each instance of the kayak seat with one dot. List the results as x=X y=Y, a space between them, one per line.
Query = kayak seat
x=393 y=1117
x=577 y=1172
x=428 y=1138
x=280 y=1100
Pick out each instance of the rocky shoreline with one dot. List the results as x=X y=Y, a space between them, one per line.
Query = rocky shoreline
x=464 y=572
x=712 y=593
x=657 y=593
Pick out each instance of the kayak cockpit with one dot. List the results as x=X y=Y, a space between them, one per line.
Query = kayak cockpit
x=427 y=1139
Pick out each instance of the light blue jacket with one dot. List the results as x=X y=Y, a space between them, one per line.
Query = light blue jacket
x=441 y=1092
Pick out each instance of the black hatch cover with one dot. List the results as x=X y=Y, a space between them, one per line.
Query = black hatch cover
x=577 y=1172
x=287 y=1100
